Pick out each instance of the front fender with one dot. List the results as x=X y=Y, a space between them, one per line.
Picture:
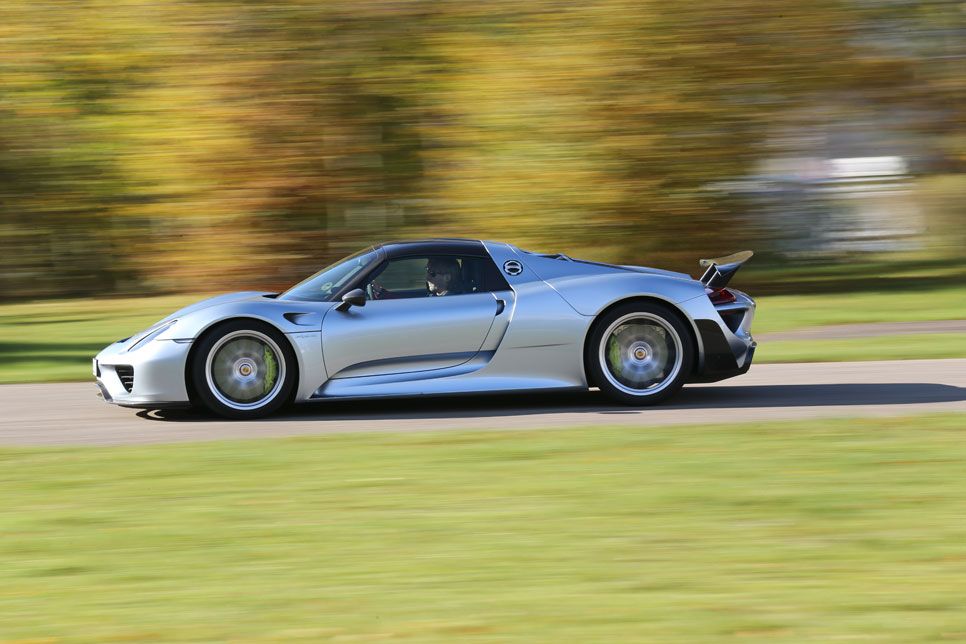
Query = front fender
x=300 y=322
x=288 y=317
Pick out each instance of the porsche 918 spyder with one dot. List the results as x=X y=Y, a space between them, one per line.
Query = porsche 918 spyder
x=441 y=316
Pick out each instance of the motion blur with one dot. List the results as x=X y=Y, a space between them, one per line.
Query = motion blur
x=173 y=146
x=154 y=153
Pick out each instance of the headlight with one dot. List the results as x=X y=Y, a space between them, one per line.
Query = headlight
x=146 y=336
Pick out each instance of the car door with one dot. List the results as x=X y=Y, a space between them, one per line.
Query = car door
x=406 y=329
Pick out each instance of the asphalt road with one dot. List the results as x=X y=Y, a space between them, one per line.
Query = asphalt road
x=71 y=414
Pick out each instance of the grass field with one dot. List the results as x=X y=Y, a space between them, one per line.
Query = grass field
x=787 y=312
x=920 y=270
x=785 y=532
x=886 y=347
x=55 y=340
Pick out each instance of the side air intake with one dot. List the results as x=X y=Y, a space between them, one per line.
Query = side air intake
x=126 y=374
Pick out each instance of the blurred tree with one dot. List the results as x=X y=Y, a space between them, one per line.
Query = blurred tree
x=208 y=145
x=58 y=176
x=600 y=128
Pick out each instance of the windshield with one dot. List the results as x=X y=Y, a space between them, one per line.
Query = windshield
x=327 y=283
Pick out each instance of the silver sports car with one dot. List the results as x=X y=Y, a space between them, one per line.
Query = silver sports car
x=441 y=316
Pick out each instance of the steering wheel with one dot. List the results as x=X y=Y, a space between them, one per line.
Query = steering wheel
x=375 y=290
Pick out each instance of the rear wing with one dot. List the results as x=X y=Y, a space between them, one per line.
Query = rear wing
x=720 y=270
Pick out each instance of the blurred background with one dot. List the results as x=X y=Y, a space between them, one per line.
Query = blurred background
x=162 y=146
x=155 y=151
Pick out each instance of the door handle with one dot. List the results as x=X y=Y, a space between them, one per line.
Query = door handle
x=500 y=306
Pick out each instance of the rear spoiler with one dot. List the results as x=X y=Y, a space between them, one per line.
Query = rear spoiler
x=720 y=270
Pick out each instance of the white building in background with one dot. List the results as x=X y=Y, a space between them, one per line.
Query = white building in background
x=873 y=205
x=848 y=204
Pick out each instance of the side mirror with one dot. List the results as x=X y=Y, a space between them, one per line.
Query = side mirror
x=355 y=297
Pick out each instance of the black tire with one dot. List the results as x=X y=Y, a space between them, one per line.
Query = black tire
x=242 y=384
x=650 y=342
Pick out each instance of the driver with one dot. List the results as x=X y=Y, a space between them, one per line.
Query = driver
x=443 y=276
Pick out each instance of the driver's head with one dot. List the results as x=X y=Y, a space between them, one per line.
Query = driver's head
x=442 y=275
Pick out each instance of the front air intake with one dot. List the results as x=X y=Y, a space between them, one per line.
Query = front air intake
x=126 y=375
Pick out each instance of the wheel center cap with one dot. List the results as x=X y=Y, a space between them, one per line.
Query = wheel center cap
x=245 y=369
x=640 y=353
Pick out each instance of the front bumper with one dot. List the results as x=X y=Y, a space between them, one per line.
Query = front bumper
x=158 y=369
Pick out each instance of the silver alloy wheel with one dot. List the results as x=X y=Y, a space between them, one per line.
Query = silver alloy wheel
x=640 y=353
x=245 y=370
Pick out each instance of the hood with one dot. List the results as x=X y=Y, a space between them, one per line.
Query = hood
x=241 y=296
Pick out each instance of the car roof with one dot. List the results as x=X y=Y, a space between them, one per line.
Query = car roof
x=436 y=246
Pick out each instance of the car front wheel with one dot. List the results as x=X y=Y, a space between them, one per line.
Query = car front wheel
x=639 y=353
x=243 y=369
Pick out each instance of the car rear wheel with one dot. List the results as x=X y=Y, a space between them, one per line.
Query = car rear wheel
x=243 y=369
x=639 y=353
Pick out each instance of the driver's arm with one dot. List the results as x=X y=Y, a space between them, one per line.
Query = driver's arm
x=377 y=291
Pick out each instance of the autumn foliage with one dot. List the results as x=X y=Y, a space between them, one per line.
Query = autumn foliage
x=167 y=145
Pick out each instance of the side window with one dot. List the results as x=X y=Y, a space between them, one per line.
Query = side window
x=401 y=278
x=434 y=276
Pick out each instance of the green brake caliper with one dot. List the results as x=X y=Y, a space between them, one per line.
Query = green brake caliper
x=271 y=369
x=614 y=355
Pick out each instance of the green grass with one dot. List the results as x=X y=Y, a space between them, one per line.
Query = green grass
x=55 y=340
x=782 y=532
x=789 y=312
x=886 y=347
x=916 y=271
x=786 y=312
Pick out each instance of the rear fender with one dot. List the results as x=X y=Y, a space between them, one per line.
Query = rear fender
x=591 y=294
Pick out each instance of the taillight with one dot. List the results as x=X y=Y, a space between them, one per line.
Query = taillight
x=720 y=296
